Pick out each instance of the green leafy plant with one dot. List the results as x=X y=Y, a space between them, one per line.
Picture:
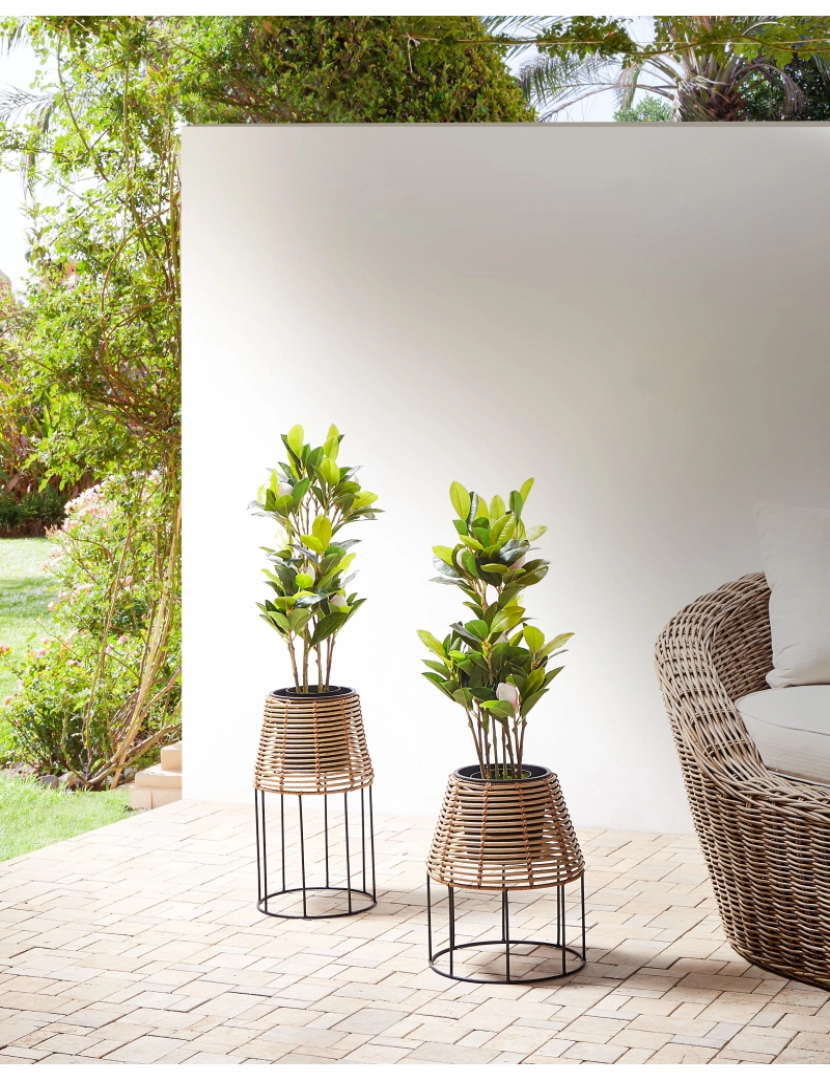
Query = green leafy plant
x=495 y=665
x=101 y=693
x=311 y=498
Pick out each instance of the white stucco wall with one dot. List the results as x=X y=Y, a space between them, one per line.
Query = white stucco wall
x=635 y=315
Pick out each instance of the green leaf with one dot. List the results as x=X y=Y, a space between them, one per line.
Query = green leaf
x=557 y=643
x=432 y=643
x=506 y=620
x=478 y=628
x=460 y=499
x=501 y=529
x=313 y=543
x=501 y=709
x=463 y=697
x=436 y=680
x=327 y=626
x=516 y=504
x=534 y=638
x=329 y=471
x=497 y=508
x=303 y=581
x=527 y=705
x=536 y=531
x=445 y=555
x=495 y=568
x=535 y=681
x=284 y=505
x=321 y=528
x=524 y=490
x=298 y=620
x=295 y=439
x=482 y=510
x=442 y=669
x=364 y=499
x=300 y=490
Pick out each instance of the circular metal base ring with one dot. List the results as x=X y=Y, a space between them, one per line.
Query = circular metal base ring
x=316 y=890
x=508 y=980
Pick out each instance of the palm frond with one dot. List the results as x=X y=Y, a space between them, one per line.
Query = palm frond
x=548 y=80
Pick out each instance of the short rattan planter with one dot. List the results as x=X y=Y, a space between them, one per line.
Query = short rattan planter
x=314 y=745
x=498 y=836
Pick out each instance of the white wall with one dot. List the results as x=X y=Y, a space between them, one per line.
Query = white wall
x=637 y=316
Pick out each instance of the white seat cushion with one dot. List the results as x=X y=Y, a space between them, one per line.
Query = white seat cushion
x=791 y=728
x=795 y=550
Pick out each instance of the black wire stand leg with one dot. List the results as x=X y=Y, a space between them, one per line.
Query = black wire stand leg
x=297 y=874
x=572 y=958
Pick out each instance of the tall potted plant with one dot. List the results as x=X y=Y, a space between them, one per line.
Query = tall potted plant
x=313 y=726
x=495 y=666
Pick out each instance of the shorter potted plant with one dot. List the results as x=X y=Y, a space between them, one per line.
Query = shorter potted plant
x=496 y=666
x=313 y=726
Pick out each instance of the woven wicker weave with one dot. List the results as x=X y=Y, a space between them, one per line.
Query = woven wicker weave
x=766 y=838
x=312 y=745
x=507 y=834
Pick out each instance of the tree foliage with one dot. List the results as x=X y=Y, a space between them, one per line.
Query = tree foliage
x=706 y=66
x=95 y=353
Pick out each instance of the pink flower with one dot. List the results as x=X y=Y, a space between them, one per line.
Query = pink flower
x=337 y=601
x=123 y=638
x=508 y=692
x=518 y=564
x=46 y=641
x=284 y=489
x=5 y=649
x=108 y=650
x=7 y=700
x=40 y=652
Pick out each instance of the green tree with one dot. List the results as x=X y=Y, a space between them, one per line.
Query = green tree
x=650 y=110
x=706 y=66
x=812 y=77
x=97 y=136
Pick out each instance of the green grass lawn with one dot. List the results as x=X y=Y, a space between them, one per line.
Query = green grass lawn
x=33 y=817
x=25 y=592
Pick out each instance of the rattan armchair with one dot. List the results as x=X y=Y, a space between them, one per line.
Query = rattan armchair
x=766 y=838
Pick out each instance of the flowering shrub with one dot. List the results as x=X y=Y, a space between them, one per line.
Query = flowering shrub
x=89 y=700
x=495 y=664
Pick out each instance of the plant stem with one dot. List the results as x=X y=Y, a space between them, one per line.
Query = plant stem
x=305 y=661
x=319 y=656
x=293 y=655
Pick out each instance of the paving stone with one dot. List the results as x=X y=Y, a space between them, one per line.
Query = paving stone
x=140 y=943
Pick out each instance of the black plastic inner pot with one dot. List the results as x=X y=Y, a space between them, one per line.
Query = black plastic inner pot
x=529 y=772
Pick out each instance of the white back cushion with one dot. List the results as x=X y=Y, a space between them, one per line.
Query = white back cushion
x=795 y=551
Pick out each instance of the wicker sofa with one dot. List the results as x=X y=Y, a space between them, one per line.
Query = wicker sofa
x=766 y=838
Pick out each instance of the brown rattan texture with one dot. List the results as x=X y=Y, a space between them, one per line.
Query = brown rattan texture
x=765 y=837
x=507 y=834
x=312 y=746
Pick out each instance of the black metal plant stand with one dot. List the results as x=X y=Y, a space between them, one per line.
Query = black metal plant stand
x=339 y=875
x=566 y=958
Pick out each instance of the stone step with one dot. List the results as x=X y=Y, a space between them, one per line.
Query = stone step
x=171 y=757
x=157 y=777
x=148 y=798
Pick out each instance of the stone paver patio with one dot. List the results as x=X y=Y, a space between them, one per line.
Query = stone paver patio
x=141 y=943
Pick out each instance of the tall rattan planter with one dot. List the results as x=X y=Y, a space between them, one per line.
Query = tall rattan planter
x=765 y=837
x=314 y=745
x=497 y=836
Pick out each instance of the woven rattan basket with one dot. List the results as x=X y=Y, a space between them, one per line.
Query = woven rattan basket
x=765 y=837
x=312 y=744
x=504 y=834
